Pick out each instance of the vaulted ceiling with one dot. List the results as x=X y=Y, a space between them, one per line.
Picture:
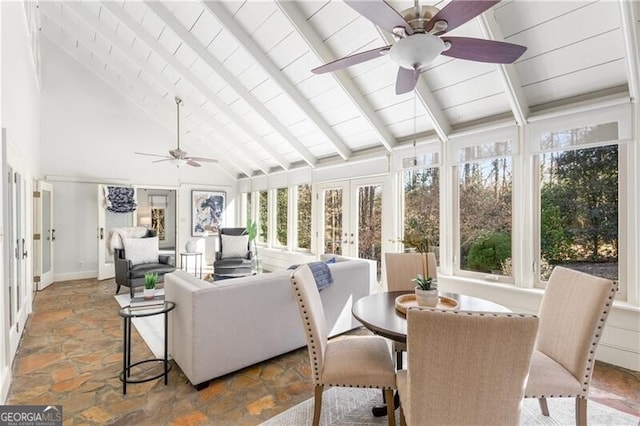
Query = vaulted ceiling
x=243 y=71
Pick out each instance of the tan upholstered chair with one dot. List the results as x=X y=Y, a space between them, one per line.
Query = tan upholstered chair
x=573 y=312
x=465 y=368
x=401 y=269
x=357 y=361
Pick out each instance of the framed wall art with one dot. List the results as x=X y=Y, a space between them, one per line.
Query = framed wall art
x=207 y=209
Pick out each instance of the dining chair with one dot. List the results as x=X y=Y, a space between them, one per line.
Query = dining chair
x=355 y=361
x=465 y=368
x=572 y=314
x=401 y=269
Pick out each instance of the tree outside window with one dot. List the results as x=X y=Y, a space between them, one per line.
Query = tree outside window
x=282 y=208
x=263 y=216
x=422 y=209
x=304 y=216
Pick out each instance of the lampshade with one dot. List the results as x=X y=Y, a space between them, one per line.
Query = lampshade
x=145 y=220
x=416 y=51
x=178 y=162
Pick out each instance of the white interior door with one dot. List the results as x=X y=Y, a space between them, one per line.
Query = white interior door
x=45 y=235
x=106 y=221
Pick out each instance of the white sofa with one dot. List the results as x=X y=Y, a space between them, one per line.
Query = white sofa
x=217 y=328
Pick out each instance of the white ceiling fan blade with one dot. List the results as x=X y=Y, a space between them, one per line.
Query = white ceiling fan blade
x=202 y=159
x=192 y=163
x=152 y=155
x=164 y=159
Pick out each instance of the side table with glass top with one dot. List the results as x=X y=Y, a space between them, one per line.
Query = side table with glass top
x=128 y=313
x=197 y=263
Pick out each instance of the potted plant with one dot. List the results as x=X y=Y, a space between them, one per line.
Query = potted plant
x=150 y=281
x=426 y=291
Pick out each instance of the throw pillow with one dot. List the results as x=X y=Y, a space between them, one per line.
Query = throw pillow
x=141 y=250
x=234 y=245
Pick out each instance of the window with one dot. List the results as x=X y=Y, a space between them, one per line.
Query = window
x=263 y=216
x=422 y=209
x=246 y=203
x=282 y=209
x=303 y=216
x=484 y=185
x=579 y=190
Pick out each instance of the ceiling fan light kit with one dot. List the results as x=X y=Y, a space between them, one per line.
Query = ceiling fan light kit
x=178 y=157
x=417 y=32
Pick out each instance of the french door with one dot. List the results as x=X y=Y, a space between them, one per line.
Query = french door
x=44 y=236
x=108 y=220
x=351 y=218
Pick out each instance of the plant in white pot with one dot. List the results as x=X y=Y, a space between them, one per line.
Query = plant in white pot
x=426 y=291
x=150 y=281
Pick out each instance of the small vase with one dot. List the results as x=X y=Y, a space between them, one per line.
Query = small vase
x=427 y=297
x=191 y=246
x=148 y=293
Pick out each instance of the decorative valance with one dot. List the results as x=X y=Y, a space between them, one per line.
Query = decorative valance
x=120 y=199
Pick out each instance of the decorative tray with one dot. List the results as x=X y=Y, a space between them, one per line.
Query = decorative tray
x=406 y=301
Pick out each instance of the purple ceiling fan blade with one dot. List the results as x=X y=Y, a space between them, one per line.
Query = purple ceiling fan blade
x=407 y=80
x=193 y=163
x=380 y=13
x=475 y=49
x=202 y=159
x=347 y=61
x=457 y=12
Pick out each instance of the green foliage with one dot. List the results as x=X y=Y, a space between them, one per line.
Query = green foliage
x=282 y=202
x=304 y=216
x=150 y=280
x=422 y=282
x=489 y=251
x=422 y=209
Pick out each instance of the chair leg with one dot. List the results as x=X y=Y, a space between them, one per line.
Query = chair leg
x=403 y=421
x=117 y=288
x=317 y=404
x=391 y=407
x=581 y=411
x=543 y=406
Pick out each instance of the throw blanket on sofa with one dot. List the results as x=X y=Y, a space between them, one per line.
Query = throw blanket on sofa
x=321 y=273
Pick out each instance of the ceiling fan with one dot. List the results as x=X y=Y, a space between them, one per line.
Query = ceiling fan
x=178 y=157
x=420 y=33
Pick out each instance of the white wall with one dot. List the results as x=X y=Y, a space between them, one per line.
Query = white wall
x=90 y=132
x=20 y=117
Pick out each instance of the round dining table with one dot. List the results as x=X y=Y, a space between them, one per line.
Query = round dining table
x=378 y=312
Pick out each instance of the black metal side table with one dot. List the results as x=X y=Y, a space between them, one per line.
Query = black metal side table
x=127 y=313
x=184 y=263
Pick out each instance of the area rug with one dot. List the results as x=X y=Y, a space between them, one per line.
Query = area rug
x=151 y=329
x=352 y=406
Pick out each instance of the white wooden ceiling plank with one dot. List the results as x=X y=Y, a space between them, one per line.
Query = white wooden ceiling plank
x=574 y=83
x=300 y=68
x=506 y=72
x=238 y=62
x=629 y=17
x=268 y=89
x=168 y=40
x=184 y=72
x=313 y=40
x=272 y=70
x=471 y=90
x=205 y=29
x=476 y=109
x=290 y=49
x=108 y=20
x=410 y=126
x=151 y=23
x=223 y=45
x=240 y=107
x=185 y=12
x=572 y=58
x=186 y=55
x=227 y=75
x=521 y=15
x=135 y=9
x=120 y=85
x=316 y=85
x=597 y=18
x=118 y=43
x=227 y=95
x=253 y=76
x=356 y=37
x=201 y=70
x=285 y=108
x=253 y=14
x=331 y=18
x=273 y=31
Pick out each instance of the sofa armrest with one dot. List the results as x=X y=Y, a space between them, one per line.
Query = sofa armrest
x=122 y=267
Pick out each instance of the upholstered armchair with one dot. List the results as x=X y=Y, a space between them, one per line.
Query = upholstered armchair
x=233 y=259
x=139 y=256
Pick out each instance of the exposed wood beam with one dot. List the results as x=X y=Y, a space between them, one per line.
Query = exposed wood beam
x=273 y=71
x=506 y=72
x=631 y=34
x=96 y=25
x=313 y=40
x=64 y=23
x=440 y=123
x=193 y=80
x=202 y=52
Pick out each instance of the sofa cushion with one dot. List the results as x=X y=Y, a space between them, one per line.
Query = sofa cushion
x=141 y=250
x=234 y=245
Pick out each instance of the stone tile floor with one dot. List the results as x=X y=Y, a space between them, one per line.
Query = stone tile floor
x=71 y=355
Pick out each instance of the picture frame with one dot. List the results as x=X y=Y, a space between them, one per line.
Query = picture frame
x=207 y=212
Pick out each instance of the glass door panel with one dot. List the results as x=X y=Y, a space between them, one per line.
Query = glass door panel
x=333 y=221
x=369 y=219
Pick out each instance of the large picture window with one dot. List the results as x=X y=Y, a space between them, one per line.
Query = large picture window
x=579 y=190
x=303 y=216
x=263 y=216
x=484 y=187
x=282 y=209
x=422 y=209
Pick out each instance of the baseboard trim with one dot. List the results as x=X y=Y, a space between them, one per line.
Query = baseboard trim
x=70 y=276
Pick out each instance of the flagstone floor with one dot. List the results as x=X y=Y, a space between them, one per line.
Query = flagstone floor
x=71 y=355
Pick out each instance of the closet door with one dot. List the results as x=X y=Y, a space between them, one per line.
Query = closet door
x=45 y=235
